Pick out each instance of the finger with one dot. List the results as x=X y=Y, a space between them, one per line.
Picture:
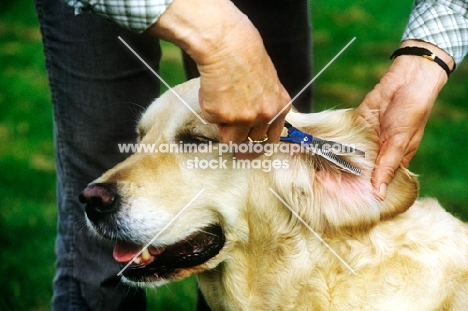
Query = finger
x=407 y=159
x=277 y=126
x=233 y=133
x=257 y=136
x=388 y=160
x=273 y=130
x=200 y=99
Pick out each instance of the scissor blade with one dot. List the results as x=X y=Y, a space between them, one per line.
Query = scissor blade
x=341 y=163
x=335 y=147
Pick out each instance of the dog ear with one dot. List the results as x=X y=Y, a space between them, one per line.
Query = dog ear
x=402 y=192
x=331 y=199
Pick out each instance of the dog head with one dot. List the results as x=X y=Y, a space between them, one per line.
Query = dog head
x=175 y=212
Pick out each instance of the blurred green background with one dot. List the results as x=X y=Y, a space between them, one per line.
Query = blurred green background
x=27 y=170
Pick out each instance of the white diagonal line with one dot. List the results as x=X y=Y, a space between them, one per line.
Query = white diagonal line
x=313 y=231
x=162 y=80
x=162 y=230
x=313 y=79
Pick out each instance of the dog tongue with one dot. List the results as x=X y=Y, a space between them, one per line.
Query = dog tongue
x=125 y=251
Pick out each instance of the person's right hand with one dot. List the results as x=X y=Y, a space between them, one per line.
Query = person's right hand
x=240 y=90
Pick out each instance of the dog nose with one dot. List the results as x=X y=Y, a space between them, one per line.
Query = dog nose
x=99 y=198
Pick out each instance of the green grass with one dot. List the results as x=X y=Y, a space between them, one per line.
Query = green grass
x=27 y=175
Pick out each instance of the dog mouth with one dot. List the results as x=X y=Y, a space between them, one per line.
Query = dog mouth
x=165 y=262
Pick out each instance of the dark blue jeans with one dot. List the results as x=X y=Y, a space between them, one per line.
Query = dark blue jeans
x=98 y=91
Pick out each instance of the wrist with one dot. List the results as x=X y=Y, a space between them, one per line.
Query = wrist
x=200 y=27
x=444 y=56
x=417 y=70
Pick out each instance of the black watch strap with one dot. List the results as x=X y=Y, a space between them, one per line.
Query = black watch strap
x=414 y=50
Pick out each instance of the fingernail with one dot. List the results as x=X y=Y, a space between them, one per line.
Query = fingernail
x=383 y=191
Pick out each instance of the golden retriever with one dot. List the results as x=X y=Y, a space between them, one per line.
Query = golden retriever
x=286 y=231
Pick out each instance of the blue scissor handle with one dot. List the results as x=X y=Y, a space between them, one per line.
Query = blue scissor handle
x=295 y=135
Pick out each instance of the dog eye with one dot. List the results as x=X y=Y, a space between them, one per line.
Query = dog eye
x=202 y=139
x=194 y=139
x=191 y=138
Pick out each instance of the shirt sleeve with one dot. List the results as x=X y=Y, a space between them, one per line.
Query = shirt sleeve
x=136 y=15
x=441 y=22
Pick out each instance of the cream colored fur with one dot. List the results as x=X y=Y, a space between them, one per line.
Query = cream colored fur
x=406 y=254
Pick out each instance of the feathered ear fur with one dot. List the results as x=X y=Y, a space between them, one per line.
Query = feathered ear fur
x=329 y=198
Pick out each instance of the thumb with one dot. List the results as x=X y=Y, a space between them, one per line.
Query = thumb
x=388 y=160
x=200 y=98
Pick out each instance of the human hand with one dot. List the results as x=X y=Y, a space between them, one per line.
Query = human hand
x=240 y=90
x=398 y=109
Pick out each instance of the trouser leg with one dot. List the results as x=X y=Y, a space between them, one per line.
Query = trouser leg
x=98 y=91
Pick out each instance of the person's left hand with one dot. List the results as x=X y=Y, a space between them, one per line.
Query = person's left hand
x=398 y=109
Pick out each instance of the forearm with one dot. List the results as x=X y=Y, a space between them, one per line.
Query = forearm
x=417 y=69
x=197 y=28
x=443 y=23
x=444 y=56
